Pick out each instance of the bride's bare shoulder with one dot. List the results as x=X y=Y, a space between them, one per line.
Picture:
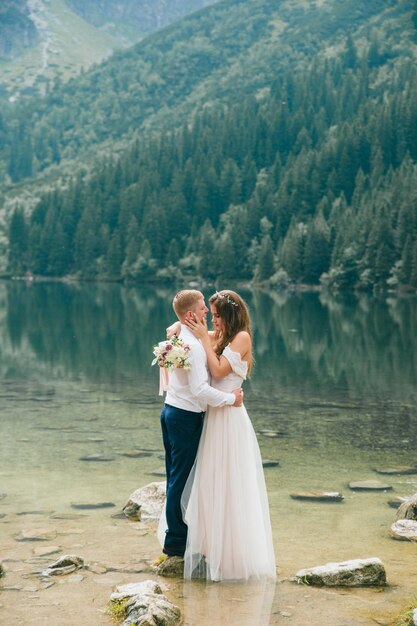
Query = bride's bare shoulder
x=241 y=342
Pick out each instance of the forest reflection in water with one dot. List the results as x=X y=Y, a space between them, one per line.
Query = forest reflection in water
x=309 y=346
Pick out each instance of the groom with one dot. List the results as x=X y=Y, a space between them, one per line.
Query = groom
x=188 y=396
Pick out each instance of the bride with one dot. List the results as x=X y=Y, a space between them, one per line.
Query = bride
x=225 y=503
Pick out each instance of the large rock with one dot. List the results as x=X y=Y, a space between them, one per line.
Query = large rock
x=146 y=605
x=415 y=617
x=64 y=565
x=408 y=509
x=146 y=502
x=404 y=529
x=171 y=567
x=354 y=573
x=147 y=587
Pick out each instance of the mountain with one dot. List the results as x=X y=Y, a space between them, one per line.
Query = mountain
x=43 y=39
x=17 y=30
x=264 y=141
x=221 y=53
x=131 y=20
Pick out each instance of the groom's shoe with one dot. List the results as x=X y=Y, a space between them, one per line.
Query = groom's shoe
x=179 y=553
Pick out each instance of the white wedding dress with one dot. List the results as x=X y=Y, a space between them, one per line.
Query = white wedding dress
x=225 y=503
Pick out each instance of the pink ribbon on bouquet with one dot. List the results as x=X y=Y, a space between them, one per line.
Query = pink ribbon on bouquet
x=163 y=380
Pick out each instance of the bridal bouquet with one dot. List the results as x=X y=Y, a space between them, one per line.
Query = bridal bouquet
x=171 y=354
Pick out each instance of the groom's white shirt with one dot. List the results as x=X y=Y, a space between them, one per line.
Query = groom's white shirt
x=190 y=389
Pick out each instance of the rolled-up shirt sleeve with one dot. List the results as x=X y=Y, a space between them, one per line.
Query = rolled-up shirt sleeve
x=199 y=384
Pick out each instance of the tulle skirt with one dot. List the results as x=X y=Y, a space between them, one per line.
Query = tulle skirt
x=225 y=503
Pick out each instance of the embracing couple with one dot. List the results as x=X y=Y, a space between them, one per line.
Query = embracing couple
x=217 y=513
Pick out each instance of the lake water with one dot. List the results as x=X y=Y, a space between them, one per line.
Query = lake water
x=335 y=379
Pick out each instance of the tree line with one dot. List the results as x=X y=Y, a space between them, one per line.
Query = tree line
x=312 y=181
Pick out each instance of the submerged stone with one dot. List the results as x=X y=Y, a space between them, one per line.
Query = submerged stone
x=354 y=573
x=160 y=471
x=34 y=513
x=318 y=496
x=96 y=505
x=404 y=530
x=46 y=551
x=68 y=516
x=36 y=534
x=270 y=463
x=120 y=515
x=273 y=434
x=136 y=454
x=396 y=471
x=396 y=502
x=64 y=565
x=369 y=485
x=97 y=569
x=95 y=458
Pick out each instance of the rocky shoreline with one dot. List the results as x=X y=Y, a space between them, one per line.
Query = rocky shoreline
x=138 y=591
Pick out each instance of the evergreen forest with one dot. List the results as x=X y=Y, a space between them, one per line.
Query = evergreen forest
x=300 y=168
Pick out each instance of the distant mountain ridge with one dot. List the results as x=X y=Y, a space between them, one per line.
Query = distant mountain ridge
x=17 y=30
x=144 y=16
x=43 y=39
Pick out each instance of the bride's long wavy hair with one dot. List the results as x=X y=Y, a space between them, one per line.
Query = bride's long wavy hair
x=234 y=313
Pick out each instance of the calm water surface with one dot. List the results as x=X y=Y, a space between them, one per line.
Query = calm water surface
x=335 y=379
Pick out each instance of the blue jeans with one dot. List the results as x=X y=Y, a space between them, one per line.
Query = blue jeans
x=181 y=431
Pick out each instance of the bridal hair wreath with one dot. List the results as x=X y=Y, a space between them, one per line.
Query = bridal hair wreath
x=225 y=296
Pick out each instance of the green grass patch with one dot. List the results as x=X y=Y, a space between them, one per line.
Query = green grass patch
x=406 y=617
x=117 y=609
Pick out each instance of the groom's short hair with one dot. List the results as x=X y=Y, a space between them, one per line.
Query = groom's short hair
x=186 y=300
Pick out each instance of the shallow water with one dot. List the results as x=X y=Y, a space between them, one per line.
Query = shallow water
x=334 y=379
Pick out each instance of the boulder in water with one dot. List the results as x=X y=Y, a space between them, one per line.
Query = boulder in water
x=408 y=509
x=145 y=605
x=404 y=529
x=354 y=573
x=146 y=502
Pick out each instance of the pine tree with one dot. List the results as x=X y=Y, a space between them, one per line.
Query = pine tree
x=317 y=250
x=18 y=241
x=265 y=266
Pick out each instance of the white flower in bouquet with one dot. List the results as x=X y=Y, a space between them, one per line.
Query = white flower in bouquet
x=171 y=354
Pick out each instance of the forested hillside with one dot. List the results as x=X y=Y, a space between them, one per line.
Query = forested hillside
x=229 y=50
x=302 y=170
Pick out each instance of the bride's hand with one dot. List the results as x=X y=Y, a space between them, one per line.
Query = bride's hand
x=173 y=330
x=199 y=329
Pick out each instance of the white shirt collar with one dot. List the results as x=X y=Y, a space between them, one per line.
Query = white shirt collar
x=186 y=332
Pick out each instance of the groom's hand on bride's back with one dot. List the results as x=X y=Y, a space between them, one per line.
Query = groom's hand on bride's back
x=238 y=397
